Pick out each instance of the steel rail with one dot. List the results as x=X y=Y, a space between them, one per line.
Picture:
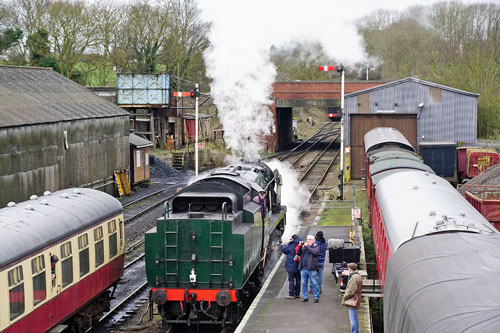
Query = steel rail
x=134 y=246
x=291 y=152
x=319 y=182
x=116 y=307
x=130 y=263
x=317 y=158
x=149 y=195
x=332 y=132
x=147 y=210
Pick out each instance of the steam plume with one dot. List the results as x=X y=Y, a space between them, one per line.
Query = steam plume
x=241 y=75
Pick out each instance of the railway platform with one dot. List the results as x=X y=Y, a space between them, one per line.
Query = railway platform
x=272 y=312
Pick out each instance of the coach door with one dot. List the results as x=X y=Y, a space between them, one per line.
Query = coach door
x=362 y=123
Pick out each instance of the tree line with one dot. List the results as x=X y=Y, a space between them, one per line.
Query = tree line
x=450 y=43
x=91 y=42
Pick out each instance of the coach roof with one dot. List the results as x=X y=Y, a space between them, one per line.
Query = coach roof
x=31 y=225
x=380 y=136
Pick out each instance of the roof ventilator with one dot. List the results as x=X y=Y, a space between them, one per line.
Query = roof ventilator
x=29 y=207
x=11 y=204
x=44 y=202
x=77 y=191
x=46 y=193
x=34 y=197
x=64 y=195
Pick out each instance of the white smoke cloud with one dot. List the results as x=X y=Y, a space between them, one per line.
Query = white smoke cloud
x=242 y=75
x=293 y=195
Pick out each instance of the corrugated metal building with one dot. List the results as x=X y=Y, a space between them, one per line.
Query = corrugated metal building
x=56 y=134
x=423 y=111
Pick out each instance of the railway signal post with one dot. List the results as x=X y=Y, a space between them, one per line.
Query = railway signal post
x=340 y=69
x=196 y=94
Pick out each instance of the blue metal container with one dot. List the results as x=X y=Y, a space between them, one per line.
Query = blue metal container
x=441 y=157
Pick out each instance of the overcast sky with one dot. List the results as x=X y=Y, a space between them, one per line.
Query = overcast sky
x=262 y=23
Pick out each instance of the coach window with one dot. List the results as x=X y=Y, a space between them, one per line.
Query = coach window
x=16 y=292
x=113 y=246
x=39 y=287
x=121 y=233
x=83 y=247
x=99 y=246
x=67 y=264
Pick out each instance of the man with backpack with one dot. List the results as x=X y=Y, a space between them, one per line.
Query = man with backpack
x=292 y=266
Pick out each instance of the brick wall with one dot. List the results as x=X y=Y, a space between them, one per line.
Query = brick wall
x=318 y=89
x=310 y=90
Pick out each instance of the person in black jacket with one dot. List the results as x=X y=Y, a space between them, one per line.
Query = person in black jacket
x=292 y=267
x=309 y=268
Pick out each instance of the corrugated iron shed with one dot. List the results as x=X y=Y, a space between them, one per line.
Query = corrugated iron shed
x=412 y=79
x=32 y=95
x=443 y=113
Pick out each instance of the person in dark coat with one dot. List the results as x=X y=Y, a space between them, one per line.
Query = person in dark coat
x=322 y=243
x=309 y=268
x=292 y=267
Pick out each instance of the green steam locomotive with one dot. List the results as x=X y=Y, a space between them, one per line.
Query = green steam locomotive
x=205 y=257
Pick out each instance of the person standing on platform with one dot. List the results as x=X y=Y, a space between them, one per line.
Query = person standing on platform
x=292 y=267
x=353 y=291
x=320 y=240
x=309 y=268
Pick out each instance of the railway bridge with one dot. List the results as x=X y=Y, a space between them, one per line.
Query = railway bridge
x=293 y=94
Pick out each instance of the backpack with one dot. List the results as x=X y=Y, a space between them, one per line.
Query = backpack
x=296 y=258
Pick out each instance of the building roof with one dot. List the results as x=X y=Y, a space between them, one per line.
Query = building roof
x=411 y=79
x=33 y=95
x=139 y=142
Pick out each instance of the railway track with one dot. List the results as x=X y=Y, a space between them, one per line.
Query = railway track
x=150 y=207
x=130 y=294
x=320 y=163
x=132 y=297
x=327 y=130
x=128 y=299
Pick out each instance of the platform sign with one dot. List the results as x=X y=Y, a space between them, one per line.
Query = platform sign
x=356 y=213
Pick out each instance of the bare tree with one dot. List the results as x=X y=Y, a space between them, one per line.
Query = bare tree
x=450 y=43
x=143 y=33
x=182 y=53
x=98 y=61
x=71 y=31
